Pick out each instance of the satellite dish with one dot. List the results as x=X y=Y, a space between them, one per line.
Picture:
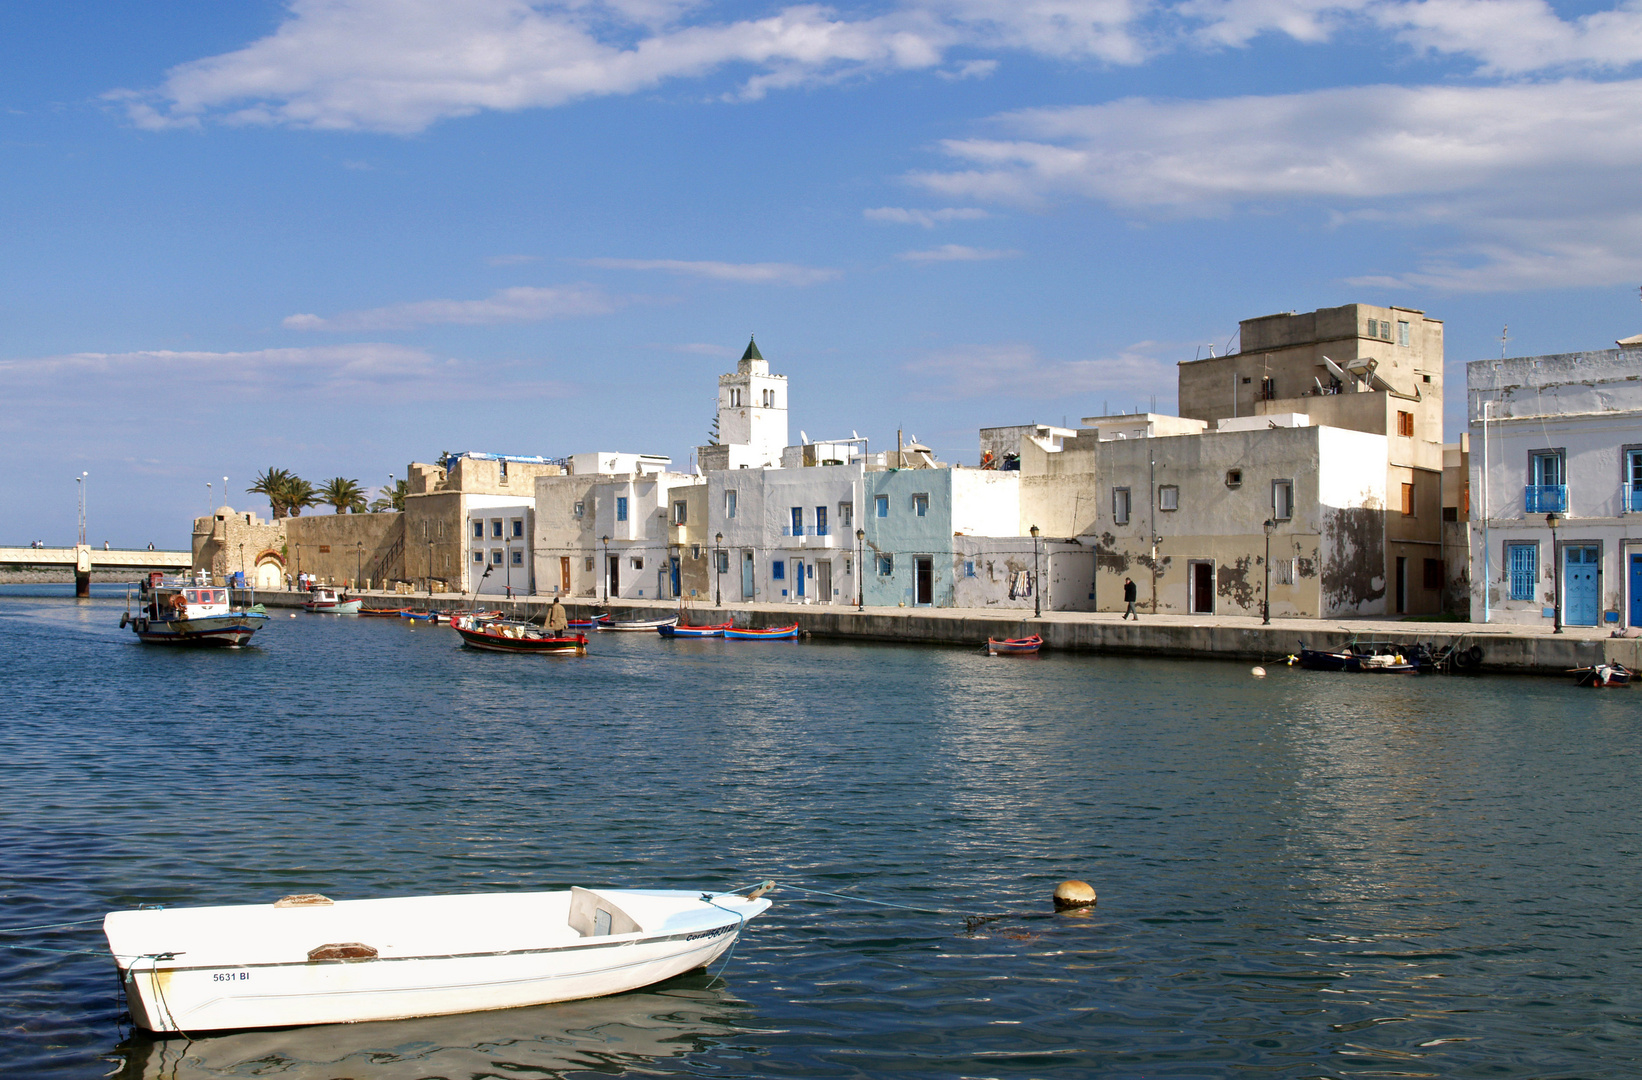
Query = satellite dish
x=802 y=437
x=853 y=434
x=1334 y=369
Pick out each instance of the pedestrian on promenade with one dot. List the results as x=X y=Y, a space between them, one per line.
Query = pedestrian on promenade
x=557 y=621
x=1129 y=598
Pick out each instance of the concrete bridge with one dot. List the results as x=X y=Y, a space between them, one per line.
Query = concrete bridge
x=83 y=559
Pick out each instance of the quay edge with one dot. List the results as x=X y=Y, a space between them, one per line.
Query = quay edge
x=1502 y=651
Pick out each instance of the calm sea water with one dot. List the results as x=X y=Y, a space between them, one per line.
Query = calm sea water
x=1309 y=875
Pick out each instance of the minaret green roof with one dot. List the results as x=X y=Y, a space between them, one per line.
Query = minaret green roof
x=752 y=352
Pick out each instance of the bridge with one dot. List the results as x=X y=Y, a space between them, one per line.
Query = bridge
x=83 y=559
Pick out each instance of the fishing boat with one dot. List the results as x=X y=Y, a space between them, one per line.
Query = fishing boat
x=638 y=625
x=1603 y=676
x=310 y=960
x=383 y=612
x=420 y=616
x=516 y=637
x=693 y=631
x=1025 y=646
x=774 y=633
x=589 y=623
x=177 y=612
x=1362 y=657
x=328 y=601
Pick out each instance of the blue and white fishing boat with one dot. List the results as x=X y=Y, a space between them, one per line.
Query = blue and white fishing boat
x=179 y=612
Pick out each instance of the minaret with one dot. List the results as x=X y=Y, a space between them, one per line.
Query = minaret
x=752 y=416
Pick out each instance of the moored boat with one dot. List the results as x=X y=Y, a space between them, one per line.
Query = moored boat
x=177 y=612
x=383 y=612
x=516 y=637
x=638 y=625
x=774 y=633
x=1026 y=646
x=671 y=630
x=1361 y=657
x=589 y=623
x=1603 y=676
x=309 y=960
x=328 y=601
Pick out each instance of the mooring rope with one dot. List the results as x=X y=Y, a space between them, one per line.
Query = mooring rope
x=46 y=926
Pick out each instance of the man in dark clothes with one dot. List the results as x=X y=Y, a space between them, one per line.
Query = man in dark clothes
x=1129 y=598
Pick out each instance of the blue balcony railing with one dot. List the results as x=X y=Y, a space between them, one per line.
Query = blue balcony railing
x=1633 y=499
x=805 y=530
x=1545 y=498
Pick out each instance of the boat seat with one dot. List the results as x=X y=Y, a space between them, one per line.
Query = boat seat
x=593 y=915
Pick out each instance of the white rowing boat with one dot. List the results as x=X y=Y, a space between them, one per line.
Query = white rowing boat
x=308 y=960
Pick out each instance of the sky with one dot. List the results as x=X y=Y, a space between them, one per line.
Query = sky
x=337 y=236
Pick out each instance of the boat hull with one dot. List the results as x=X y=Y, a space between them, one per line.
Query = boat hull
x=779 y=633
x=638 y=626
x=570 y=644
x=693 y=631
x=1014 y=646
x=226 y=631
x=169 y=993
x=339 y=607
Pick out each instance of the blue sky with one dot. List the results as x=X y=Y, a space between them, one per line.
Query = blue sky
x=336 y=236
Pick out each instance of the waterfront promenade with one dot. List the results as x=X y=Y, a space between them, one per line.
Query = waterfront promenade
x=1527 y=649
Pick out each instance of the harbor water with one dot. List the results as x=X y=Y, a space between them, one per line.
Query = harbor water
x=1306 y=875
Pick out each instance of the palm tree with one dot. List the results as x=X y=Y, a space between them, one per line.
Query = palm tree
x=390 y=499
x=343 y=494
x=298 y=495
x=273 y=483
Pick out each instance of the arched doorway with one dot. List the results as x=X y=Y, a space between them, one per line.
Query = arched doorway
x=269 y=572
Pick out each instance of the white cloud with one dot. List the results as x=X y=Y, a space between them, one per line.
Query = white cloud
x=743 y=273
x=520 y=304
x=1528 y=184
x=512 y=260
x=956 y=253
x=896 y=215
x=1019 y=370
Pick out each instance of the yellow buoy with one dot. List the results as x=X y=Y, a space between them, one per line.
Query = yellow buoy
x=1258 y=673
x=1074 y=894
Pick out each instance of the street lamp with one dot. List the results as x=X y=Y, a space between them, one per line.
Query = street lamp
x=1265 y=615
x=358 y=561
x=1037 y=581
x=718 y=569
x=860 y=569
x=1556 y=577
x=605 y=540
x=80 y=498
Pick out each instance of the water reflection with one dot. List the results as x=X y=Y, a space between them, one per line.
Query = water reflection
x=609 y=1035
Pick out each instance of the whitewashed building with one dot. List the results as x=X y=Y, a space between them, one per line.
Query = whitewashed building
x=500 y=532
x=1556 y=488
x=785 y=535
x=752 y=417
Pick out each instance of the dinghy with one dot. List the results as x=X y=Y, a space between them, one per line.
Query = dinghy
x=1025 y=646
x=308 y=960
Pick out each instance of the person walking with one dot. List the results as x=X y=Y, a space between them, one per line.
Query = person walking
x=557 y=621
x=1129 y=598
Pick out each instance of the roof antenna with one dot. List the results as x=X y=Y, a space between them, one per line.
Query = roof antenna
x=1503 y=338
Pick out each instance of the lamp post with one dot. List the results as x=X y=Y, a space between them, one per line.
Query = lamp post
x=1037 y=582
x=242 y=564
x=718 y=570
x=392 y=491
x=1556 y=577
x=1265 y=614
x=860 y=569
x=358 y=561
x=605 y=540
x=80 y=499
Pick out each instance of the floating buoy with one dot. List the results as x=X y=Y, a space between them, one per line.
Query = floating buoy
x=293 y=614
x=1258 y=672
x=1074 y=894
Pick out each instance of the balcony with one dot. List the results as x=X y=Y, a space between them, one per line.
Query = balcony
x=807 y=536
x=1632 y=503
x=1545 y=499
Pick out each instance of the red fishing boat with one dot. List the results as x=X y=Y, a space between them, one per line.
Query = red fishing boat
x=517 y=637
x=774 y=633
x=1023 y=646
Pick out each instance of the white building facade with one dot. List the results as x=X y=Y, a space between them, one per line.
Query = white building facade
x=500 y=532
x=752 y=417
x=1556 y=488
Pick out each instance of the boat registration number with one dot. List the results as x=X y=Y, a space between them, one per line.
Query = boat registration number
x=230 y=976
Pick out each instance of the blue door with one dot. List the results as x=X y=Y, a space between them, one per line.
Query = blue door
x=1581 y=585
x=672 y=572
x=1636 y=590
x=798 y=577
x=746 y=575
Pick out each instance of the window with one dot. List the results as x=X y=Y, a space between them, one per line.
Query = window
x=518 y=557
x=969 y=568
x=581 y=509
x=1282 y=571
x=501 y=470
x=1402 y=334
x=1234 y=478
x=589 y=566
x=920 y=505
x=1168 y=497
x=478 y=529
x=882 y=502
x=1405 y=424
x=638 y=562
x=1408 y=500
x=723 y=562
x=1547 y=480
x=478 y=555
x=1268 y=389
x=846 y=515
x=848 y=564
x=1282 y=499
x=778 y=569
x=735 y=398
x=1522 y=562
x=518 y=528
x=621 y=508
x=681 y=512
x=769 y=399
x=886 y=565
x=1433 y=573
x=798 y=521
x=496 y=556
x=695 y=551
x=821 y=521
x=1633 y=481
x=1120 y=506
x=496 y=528
x=729 y=503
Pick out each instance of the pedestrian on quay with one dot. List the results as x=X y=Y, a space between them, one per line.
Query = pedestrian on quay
x=557 y=621
x=1129 y=598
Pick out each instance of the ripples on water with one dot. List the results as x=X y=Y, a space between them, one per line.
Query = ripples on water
x=1305 y=876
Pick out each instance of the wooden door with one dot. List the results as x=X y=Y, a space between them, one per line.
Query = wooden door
x=564 y=574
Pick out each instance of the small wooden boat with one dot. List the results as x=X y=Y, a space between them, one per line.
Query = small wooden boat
x=589 y=623
x=517 y=637
x=638 y=625
x=1603 y=676
x=308 y=960
x=693 y=631
x=1360 y=657
x=178 y=612
x=775 y=633
x=421 y=616
x=1025 y=646
x=383 y=612
x=327 y=601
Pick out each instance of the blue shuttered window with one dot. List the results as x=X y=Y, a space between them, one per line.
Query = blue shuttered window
x=1523 y=560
